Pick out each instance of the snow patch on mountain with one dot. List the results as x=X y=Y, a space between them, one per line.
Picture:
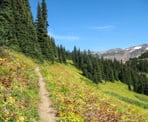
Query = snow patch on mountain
x=138 y=47
x=135 y=48
x=123 y=54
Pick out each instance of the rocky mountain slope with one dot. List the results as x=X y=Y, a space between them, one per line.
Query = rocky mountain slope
x=123 y=54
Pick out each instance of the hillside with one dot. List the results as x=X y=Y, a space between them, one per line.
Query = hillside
x=123 y=54
x=18 y=88
x=77 y=99
x=31 y=63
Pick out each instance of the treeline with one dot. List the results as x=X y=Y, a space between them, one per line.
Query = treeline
x=103 y=70
x=140 y=64
x=144 y=55
x=19 y=32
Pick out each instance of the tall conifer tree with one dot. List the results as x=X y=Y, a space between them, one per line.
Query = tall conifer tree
x=7 y=28
x=16 y=27
x=44 y=14
x=47 y=43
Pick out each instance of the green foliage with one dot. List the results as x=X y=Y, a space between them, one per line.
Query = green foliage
x=128 y=100
x=99 y=69
x=144 y=55
x=142 y=98
x=46 y=43
x=17 y=29
x=140 y=80
x=7 y=36
x=44 y=14
x=61 y=54
x=77 y=99
x=18 y=88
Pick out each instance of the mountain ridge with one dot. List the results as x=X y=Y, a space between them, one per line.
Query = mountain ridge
x=123 y=54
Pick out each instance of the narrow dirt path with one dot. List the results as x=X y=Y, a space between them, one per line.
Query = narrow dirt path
x=46 y=112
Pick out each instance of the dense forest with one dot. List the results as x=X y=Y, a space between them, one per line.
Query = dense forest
x=99 y=70
x=19 y=32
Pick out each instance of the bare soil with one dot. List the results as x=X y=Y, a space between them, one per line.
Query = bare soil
x=45 y=109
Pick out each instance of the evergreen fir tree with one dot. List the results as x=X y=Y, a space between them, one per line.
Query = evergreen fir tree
x=7 y=28
x=44 y=14
x=61 y=54
x=47 y=44
x=41 y=34
x=96 y=71
x=17 y=28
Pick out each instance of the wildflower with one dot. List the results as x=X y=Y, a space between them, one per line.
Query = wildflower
x=21 y=119
x=1 y=88
x=15 y=87
x=11 y=100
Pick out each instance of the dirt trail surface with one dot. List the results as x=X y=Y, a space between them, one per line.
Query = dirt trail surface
x=46 y=112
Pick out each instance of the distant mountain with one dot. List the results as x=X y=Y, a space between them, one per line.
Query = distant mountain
x=123 y=54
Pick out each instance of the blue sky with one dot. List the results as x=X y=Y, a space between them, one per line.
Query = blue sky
x=97 y=24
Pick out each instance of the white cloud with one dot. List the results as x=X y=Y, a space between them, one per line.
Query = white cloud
x=64 y=37
x=103 y=28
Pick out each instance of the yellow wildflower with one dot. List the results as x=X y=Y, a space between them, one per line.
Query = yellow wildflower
x=21 y=119
x=1 y=87
x=11 y=100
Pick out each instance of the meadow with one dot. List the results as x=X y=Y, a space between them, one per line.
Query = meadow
x=18 y=88
x=77 y=99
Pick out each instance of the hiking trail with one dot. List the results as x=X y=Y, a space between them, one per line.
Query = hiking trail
x=45 y=109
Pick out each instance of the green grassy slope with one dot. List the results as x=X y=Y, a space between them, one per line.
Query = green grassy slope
x=120 y=90
x=77 y=99
x=18 y=88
